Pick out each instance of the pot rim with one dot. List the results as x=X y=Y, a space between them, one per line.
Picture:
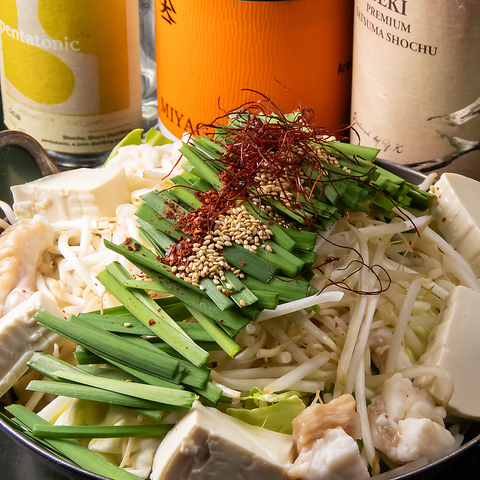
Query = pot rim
x=62 y=464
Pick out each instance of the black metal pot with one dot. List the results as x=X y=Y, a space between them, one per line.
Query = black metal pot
x=23 y=459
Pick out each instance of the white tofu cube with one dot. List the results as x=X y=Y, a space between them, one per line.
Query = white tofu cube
x=210 y=445
x=71 y=194
x=456 y=210
x=453 y=345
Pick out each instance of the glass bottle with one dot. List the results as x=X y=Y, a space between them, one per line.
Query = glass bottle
x=70 y=74
x=148 y=63
x=297 y=53
x=416 y=78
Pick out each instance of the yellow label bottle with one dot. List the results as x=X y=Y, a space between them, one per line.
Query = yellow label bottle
x=296 y=52
x=70 y=71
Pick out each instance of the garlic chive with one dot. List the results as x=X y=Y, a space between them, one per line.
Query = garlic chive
x=87 y=392
x=99 y=341
x=100 y=431
x=161 y=395
x=218 y=334
x=69 y=448
x=159 y=323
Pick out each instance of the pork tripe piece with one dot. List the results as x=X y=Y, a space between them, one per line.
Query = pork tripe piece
x=71 y=194
x=21 y=249
x=335 y=456
x=325 y=434
x=20 y=336
x=210 y=445
x=406 y=424
x=379 y=344
x=316 y=419
x=453 y=345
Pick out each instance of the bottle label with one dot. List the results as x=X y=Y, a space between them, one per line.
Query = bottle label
x=416 y=77
x=70 y=71
x=297 y=53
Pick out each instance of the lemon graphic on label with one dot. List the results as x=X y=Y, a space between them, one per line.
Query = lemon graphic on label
x=59 y=58
x=106 y=48
x=42 y=77
x=71 y=69
x=32 y=71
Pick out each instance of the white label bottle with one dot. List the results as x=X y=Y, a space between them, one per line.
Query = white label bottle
x=416 y=77
x=70 y=74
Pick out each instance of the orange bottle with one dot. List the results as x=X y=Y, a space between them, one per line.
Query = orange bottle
x=295 y=52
